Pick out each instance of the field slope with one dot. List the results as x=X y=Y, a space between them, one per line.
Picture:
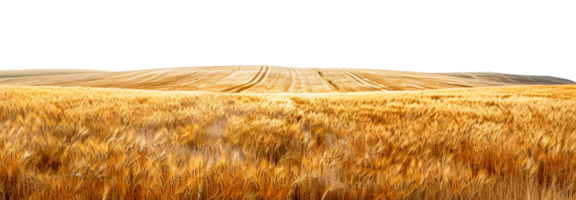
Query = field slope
x=272 y=79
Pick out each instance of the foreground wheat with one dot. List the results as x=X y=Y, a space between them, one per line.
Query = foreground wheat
x=498 y=143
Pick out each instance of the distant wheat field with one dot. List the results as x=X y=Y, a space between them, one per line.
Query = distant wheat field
x=477 y=143
x=270 y=79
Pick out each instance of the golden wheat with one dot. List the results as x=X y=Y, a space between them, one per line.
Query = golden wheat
x=484 y=143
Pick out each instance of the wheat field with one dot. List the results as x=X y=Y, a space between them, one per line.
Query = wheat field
x=271 y=79
x=481 y=143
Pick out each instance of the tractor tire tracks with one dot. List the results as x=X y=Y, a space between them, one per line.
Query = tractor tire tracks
x=261 y=79
x=292 y=80
x=258 y=78
x=365 y=81
x=329 y=81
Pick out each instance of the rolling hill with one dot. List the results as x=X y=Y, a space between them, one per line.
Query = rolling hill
x=270 y=78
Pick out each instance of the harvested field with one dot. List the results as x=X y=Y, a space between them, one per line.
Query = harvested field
x=271 y=79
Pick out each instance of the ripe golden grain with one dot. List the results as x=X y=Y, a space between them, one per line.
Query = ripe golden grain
x=485 y=143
